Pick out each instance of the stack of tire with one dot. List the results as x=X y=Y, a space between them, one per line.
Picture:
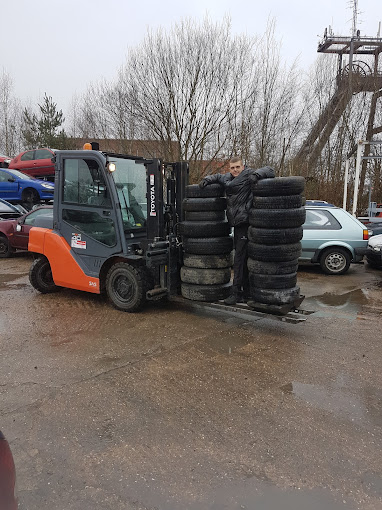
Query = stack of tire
x=274 y=235
x=207 y=245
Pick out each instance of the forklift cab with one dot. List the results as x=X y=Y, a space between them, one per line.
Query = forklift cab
x=112 y=209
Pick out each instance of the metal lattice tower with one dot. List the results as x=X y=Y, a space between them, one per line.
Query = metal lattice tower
x=354 y=77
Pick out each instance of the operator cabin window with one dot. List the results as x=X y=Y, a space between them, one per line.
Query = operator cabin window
x=84 y=185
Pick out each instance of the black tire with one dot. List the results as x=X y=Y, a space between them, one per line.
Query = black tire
x=126 y=287
x=40 y=276
x=275 y=253
x=335 y=261
x=283 y=202
x=272 y=268
x=205 y=216
x=275 y=281
x=208 y=245
x=204 y=204
x=208 y=261
x=30 y=197
x=276 y=297
x=212 y=190
x=279 y=186
x=205 y=292
x=275 y=236
x=277 y=218
x=200 y=276
x=6 y=249
x=204 y=228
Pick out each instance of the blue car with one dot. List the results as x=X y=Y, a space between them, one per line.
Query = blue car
x=19 y=188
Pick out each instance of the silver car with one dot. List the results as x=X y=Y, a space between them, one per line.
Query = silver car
x=332 y=238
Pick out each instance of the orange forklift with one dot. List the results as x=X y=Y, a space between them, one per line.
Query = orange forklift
x=113 y=229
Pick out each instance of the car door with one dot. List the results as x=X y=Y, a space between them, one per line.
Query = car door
x=25 y=163
x=8 y=186
x=23 y=226
x=42 y=164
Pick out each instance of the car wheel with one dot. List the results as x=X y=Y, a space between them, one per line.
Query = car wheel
x=277 y=218
x=208 y=261
x=205 y=292
x=279 y=186
x=204 y=204
x=40 y=276
x=213 y=190
x=205 y=215
x=126 y=287
x=6 y=249
x=274 y=253
x=275 y=235
x=276 y=297
x=204 y=228
x=283 y=202
x=208 y=245
x=204 y=276
x=335 y=261
x=30 y=197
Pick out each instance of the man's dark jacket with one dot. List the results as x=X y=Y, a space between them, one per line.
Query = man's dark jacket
x=238 y=191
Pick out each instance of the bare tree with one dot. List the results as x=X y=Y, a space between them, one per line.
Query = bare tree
x=10 y=117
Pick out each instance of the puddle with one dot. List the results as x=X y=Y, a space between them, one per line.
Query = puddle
x=353 y=303
x=360 y=405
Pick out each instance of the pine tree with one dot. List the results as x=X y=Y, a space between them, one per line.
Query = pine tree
x=43 y=131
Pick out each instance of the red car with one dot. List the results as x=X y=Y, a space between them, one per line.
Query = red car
x=4 y=161
x=14 y=234
x=8 y=499
x=36 y=163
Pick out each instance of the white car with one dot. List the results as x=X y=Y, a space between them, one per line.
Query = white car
x=374 y=251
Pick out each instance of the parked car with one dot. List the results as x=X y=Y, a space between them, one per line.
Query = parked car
x=14 y=234
x=332 y=238
x=8 y=500
x=374 y=224
x=18 y=187
x=4 y=161
x=8 y=211
x=36 y=163
x=374 y=251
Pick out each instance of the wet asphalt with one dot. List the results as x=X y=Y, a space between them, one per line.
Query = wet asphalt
x=175 y=408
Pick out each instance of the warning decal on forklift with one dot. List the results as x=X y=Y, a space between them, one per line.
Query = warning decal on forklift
x=77 y=242
x=152 y=195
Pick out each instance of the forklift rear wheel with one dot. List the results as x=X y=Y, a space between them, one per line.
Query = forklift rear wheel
x=125 y=287
x=40 y=276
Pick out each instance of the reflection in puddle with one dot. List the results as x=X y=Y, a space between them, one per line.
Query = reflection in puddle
x=360 y=405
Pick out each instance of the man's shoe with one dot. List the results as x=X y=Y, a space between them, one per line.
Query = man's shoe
x=231 y=300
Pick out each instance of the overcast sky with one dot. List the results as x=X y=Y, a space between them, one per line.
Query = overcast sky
x=61 y=47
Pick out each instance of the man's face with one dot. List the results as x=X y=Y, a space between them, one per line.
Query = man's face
x=236 y=168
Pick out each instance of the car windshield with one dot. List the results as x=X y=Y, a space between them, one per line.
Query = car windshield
x=20 y=175
x=130 y=181
x=5 y=207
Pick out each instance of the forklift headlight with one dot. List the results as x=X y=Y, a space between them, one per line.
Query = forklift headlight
x=111 y=167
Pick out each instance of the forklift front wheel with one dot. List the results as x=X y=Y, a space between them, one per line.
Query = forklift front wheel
x=40 y=276
x=125 y=287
